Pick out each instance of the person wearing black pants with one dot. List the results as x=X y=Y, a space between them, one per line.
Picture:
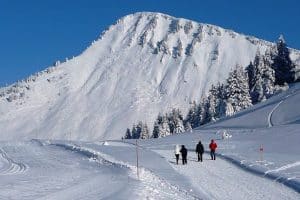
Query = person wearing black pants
x=183 y=152
x=199 y=151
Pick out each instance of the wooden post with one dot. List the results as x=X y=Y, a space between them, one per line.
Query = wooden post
x=137 y=159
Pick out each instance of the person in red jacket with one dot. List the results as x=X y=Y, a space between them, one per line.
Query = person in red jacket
x=213 y=146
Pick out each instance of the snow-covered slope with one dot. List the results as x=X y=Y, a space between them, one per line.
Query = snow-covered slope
x=144 y=64
x=52 y=169
x=279 y=110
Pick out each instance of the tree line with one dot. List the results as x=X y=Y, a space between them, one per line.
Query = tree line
x=265 y=76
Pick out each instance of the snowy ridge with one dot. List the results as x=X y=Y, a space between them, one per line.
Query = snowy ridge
x=144 y=64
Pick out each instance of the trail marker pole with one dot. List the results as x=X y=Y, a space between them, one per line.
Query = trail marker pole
x=261 y=150
x=137 y=159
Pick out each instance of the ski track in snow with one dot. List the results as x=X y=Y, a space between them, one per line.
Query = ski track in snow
x=293 y=93
x=8 y=166
x=270 y=123
x=220 y=179
x=285 y=167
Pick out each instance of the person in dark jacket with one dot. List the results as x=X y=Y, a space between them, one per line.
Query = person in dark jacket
x=199 y=151
x=183 y=152
x=213 y=146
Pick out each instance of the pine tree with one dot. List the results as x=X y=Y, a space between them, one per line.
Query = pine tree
x=256 y=91
x=220 y=101
x=179 y=128
x=211 y=104
x=215 y=103
x=175 y=121
x=202 y=111
x=134 y=132
x=171 y=121
x=156 y=129
x=139 y=128
x=164 y=129
x=159 y=118
x=128 y=134
x=283 y=66
x=268 y=75
x=251 y=73
x=161 y=127
x=237 y=89
x=229 y=111
x=192 y=118
x=188 y=127
x=264 y=78
x=145 y=132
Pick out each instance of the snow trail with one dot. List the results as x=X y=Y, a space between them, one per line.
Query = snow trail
x=285 y=167
x=222 y=180
x=293 y=92
x=149 y=185
x=270 y=123
x=8 y=166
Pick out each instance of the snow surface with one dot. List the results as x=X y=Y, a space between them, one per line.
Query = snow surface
x=106 y=169
x=131 y=73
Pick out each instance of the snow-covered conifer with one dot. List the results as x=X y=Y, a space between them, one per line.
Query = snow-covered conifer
x=237 y=89
x=156 y=130
x=220 y=101
x=264 y=78
x=282 y=64
x=134 y=132
x=268 y=75
x=128 y=134
x=145 y=132
x=164 y=128
x=139 y=128
x=179 y=127
x=175 y=121
x=212 y=104
x=202 y=111
x=188 y=127
x=192 y=118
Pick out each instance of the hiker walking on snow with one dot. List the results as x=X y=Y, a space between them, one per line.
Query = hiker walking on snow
x=199 y=151
x=177 y=152
x=213 y=146
x=183 y=152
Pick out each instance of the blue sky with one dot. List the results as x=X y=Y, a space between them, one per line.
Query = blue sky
x=36 y=33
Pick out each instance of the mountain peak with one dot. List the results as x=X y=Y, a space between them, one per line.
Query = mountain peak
x=144 y=64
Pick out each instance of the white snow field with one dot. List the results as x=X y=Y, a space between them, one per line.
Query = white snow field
x=144 y=64
x=61 y=169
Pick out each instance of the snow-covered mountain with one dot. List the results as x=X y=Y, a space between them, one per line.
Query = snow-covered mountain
x=144 y=64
